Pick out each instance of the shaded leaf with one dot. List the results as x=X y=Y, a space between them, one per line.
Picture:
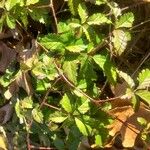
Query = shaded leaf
x=10 y=22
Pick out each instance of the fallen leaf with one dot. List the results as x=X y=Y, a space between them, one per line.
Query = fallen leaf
x=126 y=123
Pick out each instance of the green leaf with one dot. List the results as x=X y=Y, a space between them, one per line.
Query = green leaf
x=142 y=121
x=82 y=12
x=37 y=115
x=144 y=79
x=84 y=107
x=98 y=19
x=9 y=4
x=144 y=94
x=100 y=2
x=126 y=20
x=84 y=129
x=74 y=25
x=18 y=110
x=70 y=70
x=58 y=119
x=40 y=15
x=66 y=104
x=127 y=78
x=52 y=42
x=31 y=2
x=98 y=140
x=106 y=65
x=120 y=40
x=10 y=22
x=76 y=48
x=73 y=6
x=26 y=103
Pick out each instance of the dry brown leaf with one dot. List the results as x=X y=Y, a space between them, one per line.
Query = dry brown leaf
x=126 y=123
x=7 y=56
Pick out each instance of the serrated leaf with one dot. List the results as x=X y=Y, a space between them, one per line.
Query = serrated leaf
x=70 y=70
x=31 y=2
x=40 y=15
x=127 y=78
x=84 y=107
x=10 y=22
x=26 y=103
x=52 y=42
x=66 y=104
x=74 y=25
x=9 y=4
x=126 y=20
x=98 y=19
x=120 y=40
x=144 y=79
x=144 y=94
x=84 y=129
x=76 y=48
x=58 y=119
x=37 y=115
x=73 y=6
x=82 y=12
x=100 y=2
x=106 y=65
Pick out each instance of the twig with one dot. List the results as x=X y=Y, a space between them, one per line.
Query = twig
x=53 y=13
x=41 y=148
x=51 y=106
x=80 y=91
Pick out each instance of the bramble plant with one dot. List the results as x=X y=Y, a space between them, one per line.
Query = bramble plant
x=62 y=82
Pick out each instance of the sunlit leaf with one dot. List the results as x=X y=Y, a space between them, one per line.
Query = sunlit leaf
x=127 y=78
x=58 y=119
x=31 y=2
x=9 y=4
x=84 y=129
x=82 y=12
x=98 y=19
x=144 y=79
x=70 y=70
x=120 y=40
x=37 y=115
x=144 y=94
x=66 y=104
x=126 y=20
